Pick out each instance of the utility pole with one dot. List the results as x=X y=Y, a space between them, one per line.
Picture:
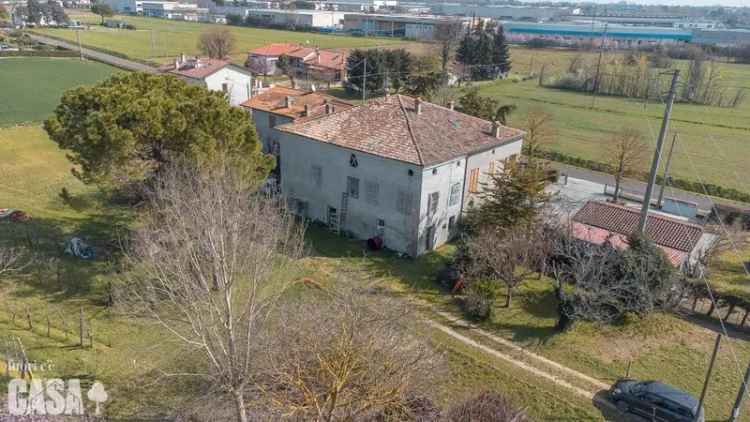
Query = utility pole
x=657 y=153
x=740 y=396
x=152 y=43
x=666 y=173
x=78 y=38
x=708 y=375
x=364 y=82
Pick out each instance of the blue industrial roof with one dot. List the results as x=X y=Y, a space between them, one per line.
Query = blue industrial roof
x=586 y=31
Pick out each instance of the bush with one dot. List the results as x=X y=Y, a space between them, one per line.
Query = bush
x=480 y=299
x=486 y=407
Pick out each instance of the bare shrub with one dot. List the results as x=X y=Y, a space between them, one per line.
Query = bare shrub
x=216 y=43
x=488 y=406
x=345 y=356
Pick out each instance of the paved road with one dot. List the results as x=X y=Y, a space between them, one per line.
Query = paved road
x=96 y=55
x=639 y=188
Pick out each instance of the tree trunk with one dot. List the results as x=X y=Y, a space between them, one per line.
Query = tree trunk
x=695 y=302
x=729 y=312
x=744 y=318
x=507 y=296
x=239 y=401
x=618 y=179
x=711 y=309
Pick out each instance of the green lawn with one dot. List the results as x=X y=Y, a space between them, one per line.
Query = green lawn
x=32 y=86
x=713 y=141
x=160 y=39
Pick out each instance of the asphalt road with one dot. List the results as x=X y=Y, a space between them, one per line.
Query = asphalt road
x=96 y=55
x=639 y=188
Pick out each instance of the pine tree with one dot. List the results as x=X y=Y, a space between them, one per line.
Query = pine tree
x=500 y=53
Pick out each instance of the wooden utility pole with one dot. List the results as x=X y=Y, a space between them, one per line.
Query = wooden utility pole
x=708 y=376
x=595 y=88
x=657 y=153
x=740 y=396
x=364 y=81
x=666 y=173
x=80 y=326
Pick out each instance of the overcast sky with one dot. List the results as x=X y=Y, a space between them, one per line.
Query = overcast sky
x=681 y=2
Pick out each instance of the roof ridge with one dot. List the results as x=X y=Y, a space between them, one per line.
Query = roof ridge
x=411 y=132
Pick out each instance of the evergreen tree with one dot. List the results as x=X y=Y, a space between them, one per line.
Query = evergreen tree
x=500 y=53
x=125 y=129
x=35 y=11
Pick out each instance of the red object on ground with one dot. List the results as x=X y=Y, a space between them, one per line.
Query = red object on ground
x=19 y=216
x=458 y=286
x=375 y=243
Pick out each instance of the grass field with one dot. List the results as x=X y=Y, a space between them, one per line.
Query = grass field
x=121 y=354
x=713 y=143
x=32 y=86
x=160 y=39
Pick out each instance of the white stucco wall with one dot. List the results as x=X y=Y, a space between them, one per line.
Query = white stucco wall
x=439 y=178
x=238 y=84
x=482 y=161
x=299 y=155
x=265 y=132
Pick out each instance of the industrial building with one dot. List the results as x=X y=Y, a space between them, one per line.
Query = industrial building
x=615 y=36
x=514 y=13
x=407 y=26
x=300 y=18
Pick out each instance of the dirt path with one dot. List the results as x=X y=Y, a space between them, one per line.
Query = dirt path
x=577 y=382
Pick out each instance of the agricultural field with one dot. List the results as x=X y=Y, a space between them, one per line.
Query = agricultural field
x=160 y=40
x=32 y=86
x=712 y=141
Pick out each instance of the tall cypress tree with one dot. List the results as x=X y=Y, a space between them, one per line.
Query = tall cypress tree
x=500 y=53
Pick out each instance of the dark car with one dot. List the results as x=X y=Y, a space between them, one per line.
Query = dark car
x=654 y=400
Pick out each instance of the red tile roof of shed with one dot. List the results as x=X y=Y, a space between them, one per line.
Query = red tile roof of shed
x=664 y=231
x=274 y=100
x=390 y=127
x=275 y=49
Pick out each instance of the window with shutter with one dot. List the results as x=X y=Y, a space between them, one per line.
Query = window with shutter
x=352 y=187
x=491 y=169
x=372 y=189
x=404 y=202
x=455 y=194
x=474 y=180
x=432 y=203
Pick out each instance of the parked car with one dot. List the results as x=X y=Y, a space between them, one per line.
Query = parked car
x=656 y=401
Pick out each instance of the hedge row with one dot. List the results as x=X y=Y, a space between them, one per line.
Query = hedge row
x=678 y=183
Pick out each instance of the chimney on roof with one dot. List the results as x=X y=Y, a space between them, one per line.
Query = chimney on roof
x=452 y=105
x=182 y=58
x=288 y=101
x=307 y=110
x=496 y=129
x=418 y=105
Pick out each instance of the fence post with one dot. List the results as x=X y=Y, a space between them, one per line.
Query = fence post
x=80 y=326
x=627 y=371
x=28 y=319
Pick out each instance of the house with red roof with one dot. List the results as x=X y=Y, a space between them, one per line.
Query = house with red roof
x=396 y=168
x=309 y=62
x=215 y=75
x=601 y=222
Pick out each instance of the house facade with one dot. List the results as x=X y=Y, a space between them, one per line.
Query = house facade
x=306 y=62
x=279 y=105
x=396 y=168
x=215 y=75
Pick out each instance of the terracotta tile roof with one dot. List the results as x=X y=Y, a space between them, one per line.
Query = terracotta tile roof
x=196 y=68
x=320 y=58
x=620 y=241
x=664 y=231
x=275 y=49
x=274 y=100
x=390 y=127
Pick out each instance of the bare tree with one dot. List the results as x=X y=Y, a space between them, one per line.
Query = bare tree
x=540 y=131
x=627 y=151
x=447 y=34
x=347 y=356
x=216 y=43
x=507 y=255
x=12 y=260
x=210 y=259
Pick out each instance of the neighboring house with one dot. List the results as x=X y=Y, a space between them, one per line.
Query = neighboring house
x=279 y=105
x=397 y=167
x=311 y=63
x=214 y=74
x=599 y=222
x=263 y=60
